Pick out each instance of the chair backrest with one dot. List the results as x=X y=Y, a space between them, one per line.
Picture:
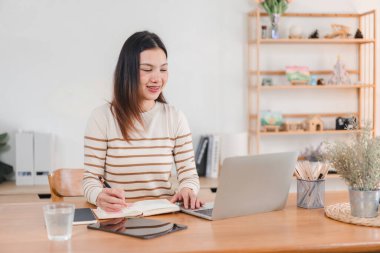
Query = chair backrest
x=65 y=183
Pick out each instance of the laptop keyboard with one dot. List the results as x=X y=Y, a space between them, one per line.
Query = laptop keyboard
x=207 y=212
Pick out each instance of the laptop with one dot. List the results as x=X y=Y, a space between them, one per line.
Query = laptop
x=249 y=185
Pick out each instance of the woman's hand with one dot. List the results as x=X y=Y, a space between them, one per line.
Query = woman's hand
x=111 y=200
x=188 y=197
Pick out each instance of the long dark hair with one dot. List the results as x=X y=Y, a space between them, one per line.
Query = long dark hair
x=125 y=102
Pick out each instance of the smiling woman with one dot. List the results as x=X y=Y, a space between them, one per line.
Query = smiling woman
x=134 y=141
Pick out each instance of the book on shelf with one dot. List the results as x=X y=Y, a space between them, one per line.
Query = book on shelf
x=201 y=156
x=140 y=208
x=213 y=156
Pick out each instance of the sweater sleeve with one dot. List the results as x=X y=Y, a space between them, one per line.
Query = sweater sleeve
x=187 y=175
x=95 y=148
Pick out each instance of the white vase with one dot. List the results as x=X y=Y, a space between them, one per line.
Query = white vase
x=364 y=204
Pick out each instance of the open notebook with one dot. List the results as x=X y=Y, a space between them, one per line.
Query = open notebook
x=140 y=208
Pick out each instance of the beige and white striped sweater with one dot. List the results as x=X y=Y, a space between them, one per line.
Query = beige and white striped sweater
x=142 y=167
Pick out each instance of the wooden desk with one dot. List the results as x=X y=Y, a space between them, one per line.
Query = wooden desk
x=290 y=230
x=10 y=188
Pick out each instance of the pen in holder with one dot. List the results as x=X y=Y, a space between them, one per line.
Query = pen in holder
x=310 y=194
x=311 y=184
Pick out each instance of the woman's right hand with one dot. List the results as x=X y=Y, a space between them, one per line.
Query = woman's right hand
x=111 y=200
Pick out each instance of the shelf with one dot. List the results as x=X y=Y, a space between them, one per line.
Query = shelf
x=312 y=72
x=313 y=15
x=311 y=132
x=317 y=87
x=305 y=115
x=312 y=41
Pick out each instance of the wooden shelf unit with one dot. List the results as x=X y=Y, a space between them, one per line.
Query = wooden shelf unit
x=312 y=41
x=365 y=89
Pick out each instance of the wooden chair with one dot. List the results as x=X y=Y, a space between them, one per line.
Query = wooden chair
x=65 y=183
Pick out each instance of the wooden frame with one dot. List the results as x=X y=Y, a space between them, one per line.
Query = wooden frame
x=366 y=72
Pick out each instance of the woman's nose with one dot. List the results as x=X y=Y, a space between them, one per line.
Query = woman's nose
x=155 y=77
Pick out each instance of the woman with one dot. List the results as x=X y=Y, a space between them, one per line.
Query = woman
x=133 y=141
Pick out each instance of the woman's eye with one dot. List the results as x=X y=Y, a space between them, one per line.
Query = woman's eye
x=146 y=70
x=164 y=70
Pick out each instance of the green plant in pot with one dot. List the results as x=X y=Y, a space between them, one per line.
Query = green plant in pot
x=357 y=161
x=5 y=169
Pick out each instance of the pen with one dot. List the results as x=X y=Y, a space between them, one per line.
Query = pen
x=104 y=182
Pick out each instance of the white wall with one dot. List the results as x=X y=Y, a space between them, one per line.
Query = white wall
x=57 y=59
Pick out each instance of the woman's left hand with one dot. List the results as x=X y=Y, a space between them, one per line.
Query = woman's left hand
x=188 y=197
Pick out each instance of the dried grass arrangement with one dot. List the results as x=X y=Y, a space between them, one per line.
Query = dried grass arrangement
x=357 y=161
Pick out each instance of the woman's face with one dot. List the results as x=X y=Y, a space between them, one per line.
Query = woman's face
x=153 y=76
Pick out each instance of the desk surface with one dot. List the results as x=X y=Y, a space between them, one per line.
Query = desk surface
x=10 y=187
x=290 y=230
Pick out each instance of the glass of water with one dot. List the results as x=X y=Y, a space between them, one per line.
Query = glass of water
x=59 y=220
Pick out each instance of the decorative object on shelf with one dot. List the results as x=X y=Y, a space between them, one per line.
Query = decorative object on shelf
x=313 y=123
x=292 y=126
x=298 y=74
x=313 y=80
x=269 y=118
x=274 y=20
x=5 y=169
x=295 y=32
x=314 y=35
x=350 y=123
x=340 y=74
x=357 y=161
x=266 y=81
x=358 y=34
x=271 y=128
x=321 y=81
x=274 y=8
x=264 y=32
x=339 y=31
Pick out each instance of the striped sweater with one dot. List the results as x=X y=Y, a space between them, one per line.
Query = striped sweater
x=142 y=166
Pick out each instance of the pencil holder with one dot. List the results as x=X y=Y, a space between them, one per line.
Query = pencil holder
x=310 y=194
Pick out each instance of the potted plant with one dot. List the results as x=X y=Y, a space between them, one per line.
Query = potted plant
x=274 y=8
x=357 y=161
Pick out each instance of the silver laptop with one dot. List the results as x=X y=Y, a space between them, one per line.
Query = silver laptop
x=249 y=185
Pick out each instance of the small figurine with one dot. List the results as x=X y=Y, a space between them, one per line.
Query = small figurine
x=340 y=74
x=267 y=81
x=346 y=123
x=314 y=35
x=313 y=80
x=358 y=34
x=313 y=123
x=340 y=31
x=321 y=81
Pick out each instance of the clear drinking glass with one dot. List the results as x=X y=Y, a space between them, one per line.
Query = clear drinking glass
x=59 y=220
x=310 y=194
